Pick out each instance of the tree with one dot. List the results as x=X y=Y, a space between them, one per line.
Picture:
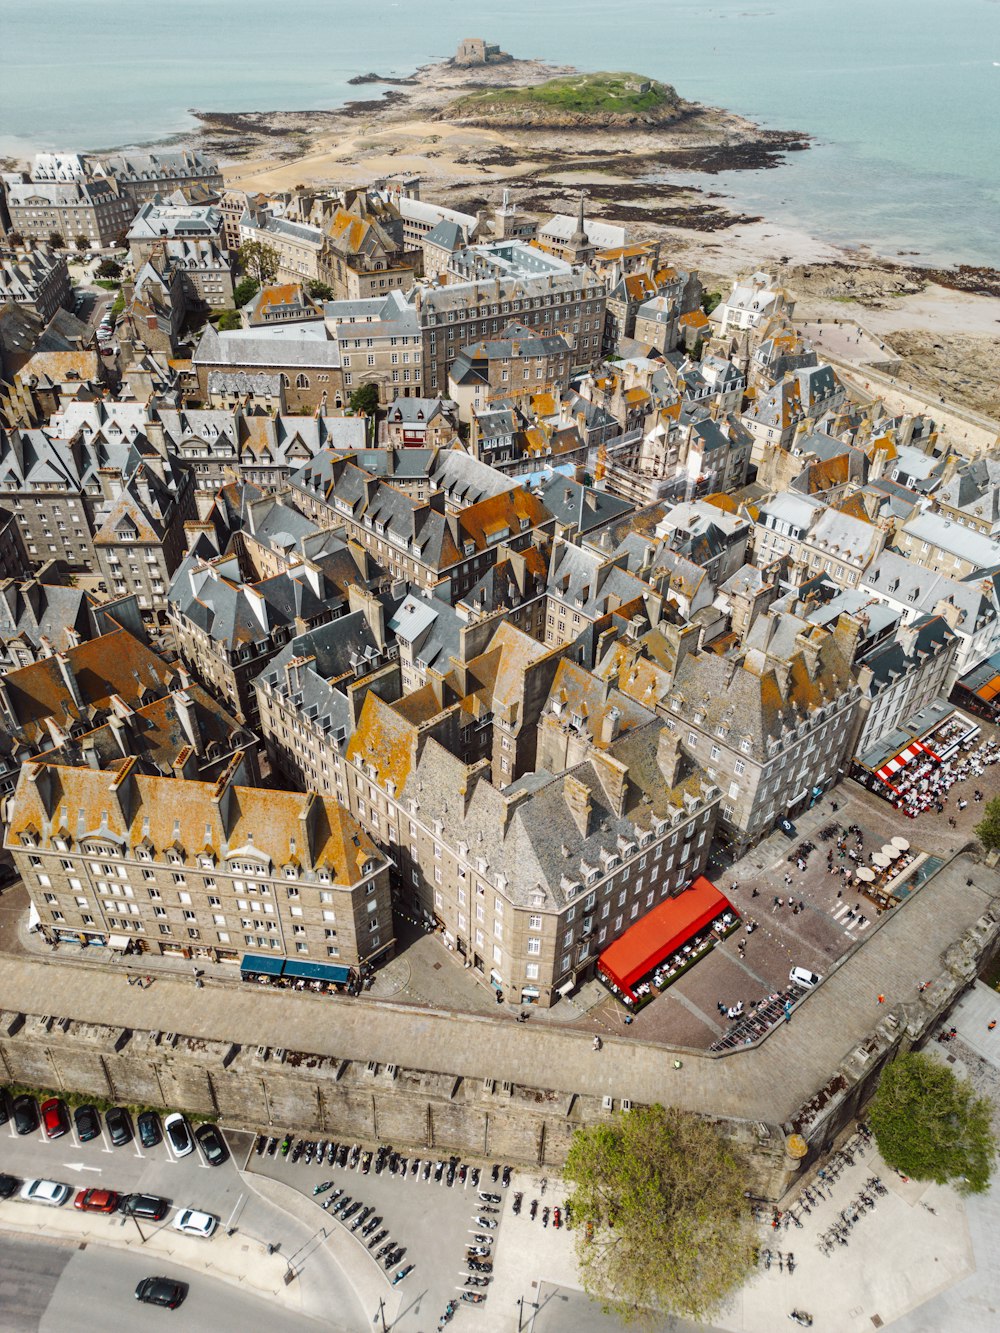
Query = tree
x=109 y=268
x=229 y=319
x=259 y=261
x=932 y=1126
x=15 y=238
x=364 y=400
x=662 y=1221
x=709 y=301
x=82 y=242
x=988 y=828
x=319 y=291
x=246 y=289
x=56 y=240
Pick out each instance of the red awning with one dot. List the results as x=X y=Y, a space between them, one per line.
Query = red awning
x=662 y=930
x=900 y=761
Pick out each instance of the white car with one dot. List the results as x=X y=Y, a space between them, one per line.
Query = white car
x=176 y=1129
x=803 y=977
x=195 y=1224
x=52 y=1192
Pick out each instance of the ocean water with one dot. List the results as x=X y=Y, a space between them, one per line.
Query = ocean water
x=901 y=96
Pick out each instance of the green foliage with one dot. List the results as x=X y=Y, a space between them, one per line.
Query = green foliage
x=584 y=93
x=710 y=300
x=660 y=1193
x=81 y=242
x=56 y=240
x=988 y=828
x=118 y=305
x=109 y=268
x=246 y=289
x=259 y=261
x=15 y=238
x=108 y=284
x=364 y=400
x=932 y=1126
x=228 y=319
x=319 y=291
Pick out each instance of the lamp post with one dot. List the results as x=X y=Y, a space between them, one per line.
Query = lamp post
x=532 y=1305
x=381 y=1315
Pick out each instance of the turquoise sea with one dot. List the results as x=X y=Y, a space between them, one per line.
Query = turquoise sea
x=902 y=96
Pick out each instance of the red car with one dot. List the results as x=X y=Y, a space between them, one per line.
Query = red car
x=55 y=1118
x=96 y=1201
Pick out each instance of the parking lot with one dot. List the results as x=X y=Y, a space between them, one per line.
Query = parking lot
x=249 y=1223
x=435 y=1224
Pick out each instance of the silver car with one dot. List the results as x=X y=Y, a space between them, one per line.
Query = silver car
x=51 y=1192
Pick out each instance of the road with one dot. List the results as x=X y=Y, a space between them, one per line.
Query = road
x=48 y=1288
x=321 y=1286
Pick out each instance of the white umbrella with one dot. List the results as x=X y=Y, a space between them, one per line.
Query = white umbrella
x=879 y=860
x=865 y=874
x=891 y=852
x=901 y=843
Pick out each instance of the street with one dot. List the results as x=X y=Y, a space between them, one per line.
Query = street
x=319 y=1284
x=49 y=1288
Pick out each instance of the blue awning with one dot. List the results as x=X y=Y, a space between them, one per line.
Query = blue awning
x=316 y=971
x=259 y=965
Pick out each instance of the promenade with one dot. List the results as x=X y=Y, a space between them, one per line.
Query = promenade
x=769 y=1082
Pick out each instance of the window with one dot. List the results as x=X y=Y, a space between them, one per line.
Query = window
x=534 y=923
x=531 y=971
x=535 y=944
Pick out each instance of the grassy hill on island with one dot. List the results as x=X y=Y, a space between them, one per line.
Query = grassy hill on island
x=594 y=99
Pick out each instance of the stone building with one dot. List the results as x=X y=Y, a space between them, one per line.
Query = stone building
x=139 y=535
x=94 y=210
x=527 y=884
x=227 y=629
x=138 y=175
x=36 y=279
x=201 y=869
x=773 y=722
x=503 y=282
x=418 y=540
x=308 y=365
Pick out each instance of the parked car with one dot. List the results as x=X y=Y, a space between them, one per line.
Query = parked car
x=97 y=1201
x=25 y=1114
x=119 y=1126
x=88 y=1123
x=151 y=1207
x=801 y=976
x=149 y=1129
x=179 y=1134
x=8 y=1185
x=4 y=1106
x=195 y=1224
x=212 y=1144
x=52 y=1192
x=55 y=1118
x=161 y=1291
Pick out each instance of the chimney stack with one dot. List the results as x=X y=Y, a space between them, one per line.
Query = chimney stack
x=578 y=801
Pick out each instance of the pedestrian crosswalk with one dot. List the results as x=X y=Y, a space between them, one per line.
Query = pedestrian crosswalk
x=849 y=922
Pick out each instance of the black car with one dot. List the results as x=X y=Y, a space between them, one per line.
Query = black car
x=212 y=1144
x=161 y=1291
x=149 y=1129
x=88 y=1123
x=8 y=1184
x=4 y=1106
x=151 y=1207
x=119 y=1126
x=25 y=1114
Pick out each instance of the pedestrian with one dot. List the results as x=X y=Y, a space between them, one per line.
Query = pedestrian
x=754 y=894
x=597 y=1043
x=777 y=903
x=991 y=1025
x=881 y=999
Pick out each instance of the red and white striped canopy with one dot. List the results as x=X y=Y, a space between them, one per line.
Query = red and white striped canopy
x=900 y=761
